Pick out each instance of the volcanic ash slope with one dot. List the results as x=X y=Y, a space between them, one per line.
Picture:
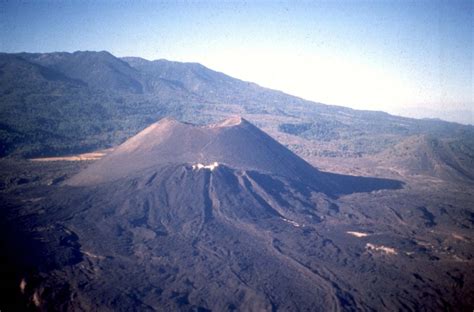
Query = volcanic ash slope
x=235 y=143
x=183 y=217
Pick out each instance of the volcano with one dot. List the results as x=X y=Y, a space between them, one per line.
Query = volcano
x=233 y=143
x=194 y=218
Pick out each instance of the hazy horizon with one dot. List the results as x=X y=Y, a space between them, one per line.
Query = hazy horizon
x=411 y=58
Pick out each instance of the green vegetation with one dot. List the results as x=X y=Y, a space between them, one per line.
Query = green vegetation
x=52 y=104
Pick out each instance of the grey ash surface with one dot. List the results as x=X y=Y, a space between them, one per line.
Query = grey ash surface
x=142 y=229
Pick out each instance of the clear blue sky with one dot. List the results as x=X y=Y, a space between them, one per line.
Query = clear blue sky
x=405 y=57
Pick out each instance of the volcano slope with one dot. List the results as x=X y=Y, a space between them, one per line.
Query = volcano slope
x=223 y=217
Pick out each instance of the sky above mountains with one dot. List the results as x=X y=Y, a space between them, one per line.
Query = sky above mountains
x=405 y=57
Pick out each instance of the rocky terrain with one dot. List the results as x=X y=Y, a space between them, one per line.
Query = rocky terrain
x=296 y=206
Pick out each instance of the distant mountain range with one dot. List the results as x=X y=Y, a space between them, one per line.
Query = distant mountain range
x=64 y=103
x=460 y=113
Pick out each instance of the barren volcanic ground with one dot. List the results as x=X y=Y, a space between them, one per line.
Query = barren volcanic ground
x=223 y=217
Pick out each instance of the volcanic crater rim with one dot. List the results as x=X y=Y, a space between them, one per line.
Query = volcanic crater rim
x=228 y=122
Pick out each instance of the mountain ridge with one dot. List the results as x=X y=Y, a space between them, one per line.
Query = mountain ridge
x=99 y=70
x=80 y=111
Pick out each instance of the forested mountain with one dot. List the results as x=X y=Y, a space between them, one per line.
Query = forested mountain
x=63 y=103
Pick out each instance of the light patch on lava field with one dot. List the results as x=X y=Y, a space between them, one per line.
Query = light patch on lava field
x=381 y=248
x=295 y=224
x=22 y=285
x=36 y=299
x=357 y=234
x=91 y=255
x=211 y=167
x=458 y=237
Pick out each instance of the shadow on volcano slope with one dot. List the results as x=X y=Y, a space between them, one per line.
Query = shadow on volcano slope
x=334 y=186
x=358 y=184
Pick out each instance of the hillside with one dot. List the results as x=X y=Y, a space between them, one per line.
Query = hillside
x=100 y=100
x=97 y=70
x=430 y=156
